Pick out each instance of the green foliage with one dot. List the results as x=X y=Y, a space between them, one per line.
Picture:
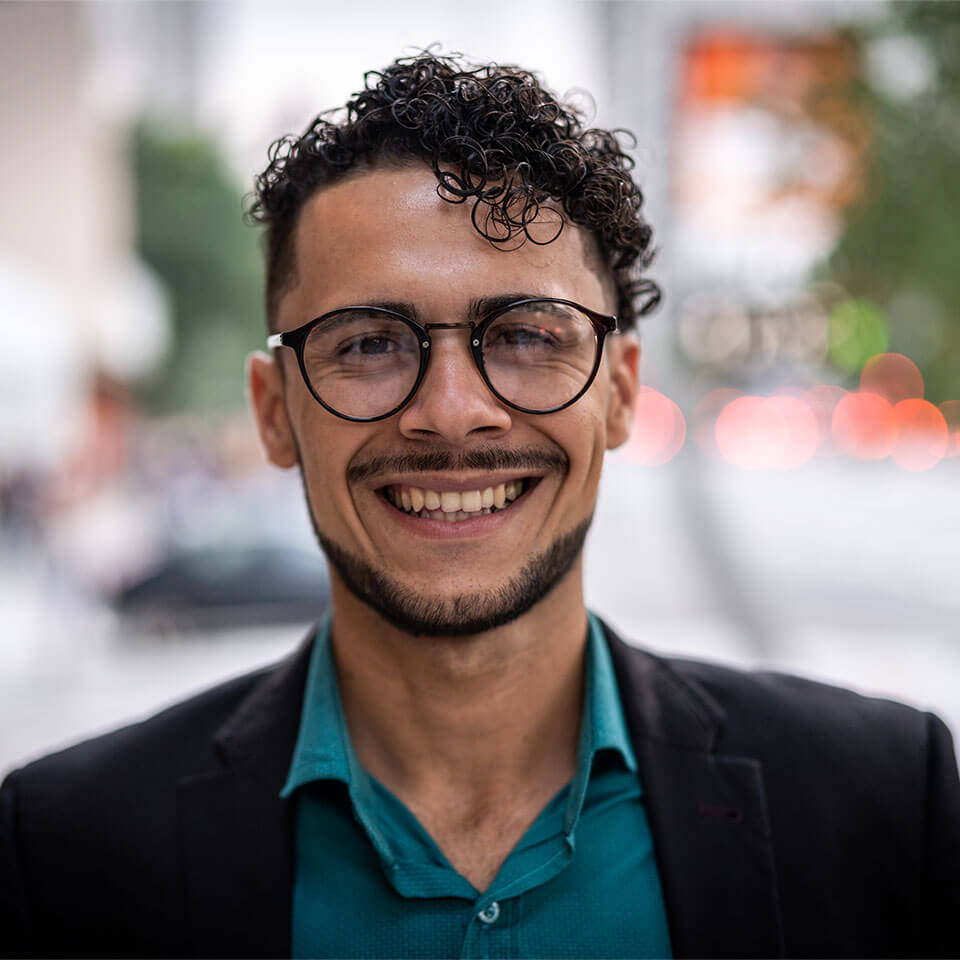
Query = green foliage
x=191 y=232
x=902 y=237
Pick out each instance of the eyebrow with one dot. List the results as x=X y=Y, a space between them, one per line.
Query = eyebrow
x=477 y=308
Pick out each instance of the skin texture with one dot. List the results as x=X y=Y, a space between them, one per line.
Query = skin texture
x=476 y=732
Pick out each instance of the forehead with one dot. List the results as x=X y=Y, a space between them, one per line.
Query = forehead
x=386 y=234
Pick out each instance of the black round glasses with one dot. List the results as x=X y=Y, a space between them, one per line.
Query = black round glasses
x=366 y=363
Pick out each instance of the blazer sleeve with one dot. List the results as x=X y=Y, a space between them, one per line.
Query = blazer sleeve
x=942 y=843
x=13 y=909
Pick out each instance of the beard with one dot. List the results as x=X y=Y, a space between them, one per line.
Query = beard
x=466 y=614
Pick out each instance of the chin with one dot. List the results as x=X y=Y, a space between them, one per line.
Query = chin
x=468 y=613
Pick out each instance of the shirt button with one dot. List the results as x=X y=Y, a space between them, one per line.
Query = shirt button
x=489 y=914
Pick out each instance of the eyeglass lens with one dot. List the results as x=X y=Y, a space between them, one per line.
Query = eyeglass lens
x=365 y=363
x=539 y=355
x=362 y=363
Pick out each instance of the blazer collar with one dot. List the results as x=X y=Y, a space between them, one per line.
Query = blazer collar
x=707 y=813
x=236 y=834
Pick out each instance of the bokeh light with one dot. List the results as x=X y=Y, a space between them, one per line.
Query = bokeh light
x=862 y=426
x=892 y=375
x=951 y=413
x=856 y=332
x=767 y=433
x=659 y=429
x=705 y=416
x=822 y=400
x=920 y=435
x=803 y=432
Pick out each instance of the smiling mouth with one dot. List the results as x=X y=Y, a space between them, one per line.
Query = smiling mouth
x=455 y=506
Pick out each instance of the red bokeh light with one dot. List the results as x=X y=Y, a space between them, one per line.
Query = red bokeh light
x=951 y=413
x=822 y=400
x=767 y=433
x=862 y=426
x=705 y=416
x=892 y=376
x=803 y=433
x=920 y=435
x=659 y=429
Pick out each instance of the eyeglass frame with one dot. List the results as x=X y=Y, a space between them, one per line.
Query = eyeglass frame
x=603 y=324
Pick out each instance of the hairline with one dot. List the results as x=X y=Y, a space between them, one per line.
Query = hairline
x=286 y=261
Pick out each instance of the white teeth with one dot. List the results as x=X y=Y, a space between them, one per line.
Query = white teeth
x=449 y=502
x=453 y=506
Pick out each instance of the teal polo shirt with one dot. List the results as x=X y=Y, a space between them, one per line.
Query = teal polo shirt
x=371 y=882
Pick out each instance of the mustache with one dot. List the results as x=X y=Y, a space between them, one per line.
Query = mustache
x=487 y=458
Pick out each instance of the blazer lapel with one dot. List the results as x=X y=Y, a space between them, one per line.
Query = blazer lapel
x=707 y=814
x=236 y=833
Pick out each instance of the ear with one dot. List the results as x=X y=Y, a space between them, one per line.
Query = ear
x=624 y=360
x=265 y=391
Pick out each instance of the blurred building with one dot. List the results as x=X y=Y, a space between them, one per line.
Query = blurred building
x=73 y=295
x=741 y=185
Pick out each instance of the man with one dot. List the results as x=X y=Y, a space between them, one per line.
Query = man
x=462 y=760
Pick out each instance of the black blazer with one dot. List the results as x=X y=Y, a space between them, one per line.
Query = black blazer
x=788 y=818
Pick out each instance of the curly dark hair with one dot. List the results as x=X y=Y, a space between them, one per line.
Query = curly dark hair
x=493 y=137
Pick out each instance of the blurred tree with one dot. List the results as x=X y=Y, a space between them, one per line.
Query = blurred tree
x=191 y=231
x=899 y=247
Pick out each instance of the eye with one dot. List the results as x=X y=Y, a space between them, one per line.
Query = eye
x=518 y=334
x=369 y=344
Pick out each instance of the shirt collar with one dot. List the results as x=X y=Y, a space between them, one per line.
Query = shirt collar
x=603 y=727
x=323 y=750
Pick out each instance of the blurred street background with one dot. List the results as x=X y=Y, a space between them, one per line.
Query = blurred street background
x=789 y=498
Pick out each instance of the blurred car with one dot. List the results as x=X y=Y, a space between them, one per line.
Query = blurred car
x=227 y=585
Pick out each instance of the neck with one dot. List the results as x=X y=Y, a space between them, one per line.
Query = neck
x=472 y=719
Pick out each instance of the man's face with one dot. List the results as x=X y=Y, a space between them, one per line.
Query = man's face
x=385 y=236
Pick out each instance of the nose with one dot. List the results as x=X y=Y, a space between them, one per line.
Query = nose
x=453 y=403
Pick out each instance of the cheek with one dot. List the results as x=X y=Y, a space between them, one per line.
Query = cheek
x=591 y=424
x=325 y=451
x=583 y=438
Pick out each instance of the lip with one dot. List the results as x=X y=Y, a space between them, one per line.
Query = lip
x=481 y=525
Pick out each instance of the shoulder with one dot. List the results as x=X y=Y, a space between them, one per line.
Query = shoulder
x=96 y=798
x=780 y=718
x=759 y=703
x=75 y=825
x=99 y=826
x=177 y=741
x=864 y=787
